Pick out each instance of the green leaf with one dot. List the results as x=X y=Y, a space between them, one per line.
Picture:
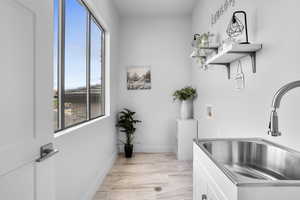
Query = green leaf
x=126 y=124
x=185 y=94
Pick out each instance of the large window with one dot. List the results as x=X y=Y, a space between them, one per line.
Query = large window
x=79 y=65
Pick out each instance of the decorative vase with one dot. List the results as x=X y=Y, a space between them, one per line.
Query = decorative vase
x=186 y=109
x=128 y=149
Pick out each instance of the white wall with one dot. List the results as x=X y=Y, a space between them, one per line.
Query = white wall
x=87 y=153
x=246 y=113
x=163 y=43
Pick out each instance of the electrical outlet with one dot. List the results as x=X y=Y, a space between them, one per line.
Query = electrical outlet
x=209 y=111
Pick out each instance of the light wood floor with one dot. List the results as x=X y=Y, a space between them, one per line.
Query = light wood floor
x=148 y=177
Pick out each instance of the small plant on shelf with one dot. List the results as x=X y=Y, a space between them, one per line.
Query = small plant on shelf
x=186 y=95
x=126 y=123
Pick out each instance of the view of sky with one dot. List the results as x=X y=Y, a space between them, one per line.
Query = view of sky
x=96 y=44
x=75 y=46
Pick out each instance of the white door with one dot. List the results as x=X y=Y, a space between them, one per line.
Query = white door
x=25 y=101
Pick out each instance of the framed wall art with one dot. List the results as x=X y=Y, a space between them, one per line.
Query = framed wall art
x=139 y=78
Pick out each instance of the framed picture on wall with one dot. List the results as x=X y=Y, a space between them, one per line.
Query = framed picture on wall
x=139 y=78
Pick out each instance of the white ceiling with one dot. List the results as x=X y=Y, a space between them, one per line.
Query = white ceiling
x=154 y=7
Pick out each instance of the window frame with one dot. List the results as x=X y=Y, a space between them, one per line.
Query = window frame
x=103 y=66
x=61 y=66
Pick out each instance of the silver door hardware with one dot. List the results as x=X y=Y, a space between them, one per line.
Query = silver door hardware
x=204 y=197
x=46 y=151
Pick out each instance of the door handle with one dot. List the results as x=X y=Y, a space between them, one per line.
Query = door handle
x=204 y=197
x=46 y=151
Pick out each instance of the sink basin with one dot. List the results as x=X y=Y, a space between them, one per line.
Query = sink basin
x=254 y=160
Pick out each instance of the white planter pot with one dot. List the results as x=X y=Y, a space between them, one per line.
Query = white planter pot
x=186 y=109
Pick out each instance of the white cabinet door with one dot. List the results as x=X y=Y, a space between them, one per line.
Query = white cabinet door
x=199 y=178
x=25 y=103
x=211 y=194
x=195 y=178
x=197 y=187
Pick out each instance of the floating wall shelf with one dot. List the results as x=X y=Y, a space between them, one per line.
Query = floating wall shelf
x=233 y=53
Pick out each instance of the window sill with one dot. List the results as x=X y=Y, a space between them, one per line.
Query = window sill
x=75 y=128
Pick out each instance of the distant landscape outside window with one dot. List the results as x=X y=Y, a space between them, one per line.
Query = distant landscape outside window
x=75 y=63
x=82 y=52
x=55 y=66
x=96 y=91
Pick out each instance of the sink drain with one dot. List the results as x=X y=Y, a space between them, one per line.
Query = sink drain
x=158 y=189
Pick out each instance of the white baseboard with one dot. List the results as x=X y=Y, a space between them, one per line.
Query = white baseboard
x=144 y=148
x=100 y=178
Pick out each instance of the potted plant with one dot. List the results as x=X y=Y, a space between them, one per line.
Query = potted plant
x=126 y=123
x=186 y=95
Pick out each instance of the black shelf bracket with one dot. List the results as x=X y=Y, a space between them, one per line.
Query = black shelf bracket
x=253 y=60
